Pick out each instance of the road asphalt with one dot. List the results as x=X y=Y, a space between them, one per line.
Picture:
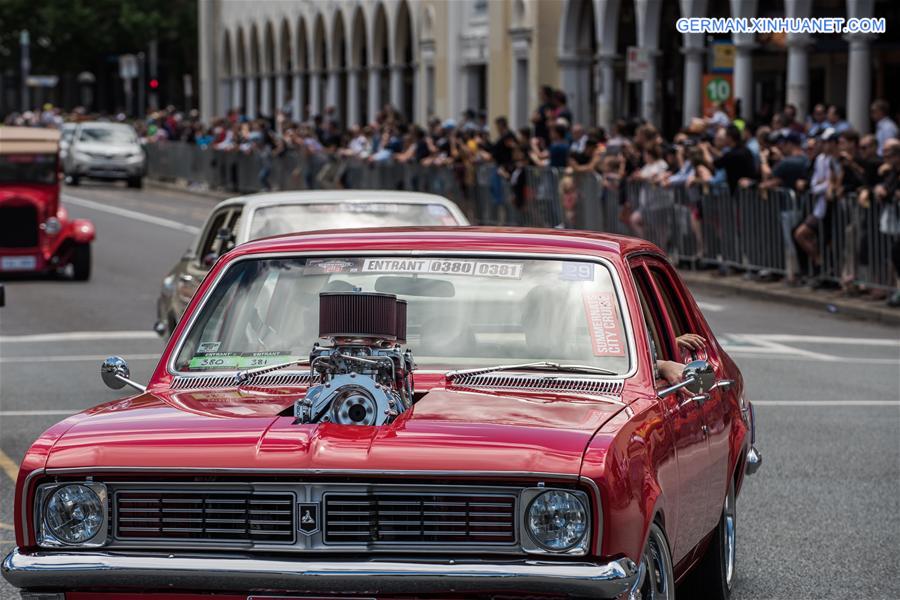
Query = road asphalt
x=820 y=520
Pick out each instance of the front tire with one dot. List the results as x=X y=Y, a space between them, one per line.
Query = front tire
x=713 y=577
x=656 y=563
x=81 y=262
x=74 y=180
x=136 y=182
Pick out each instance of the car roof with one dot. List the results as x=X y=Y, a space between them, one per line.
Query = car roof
x=104 y=125
x=527 y=240
x=335 y=196
x=28 y=140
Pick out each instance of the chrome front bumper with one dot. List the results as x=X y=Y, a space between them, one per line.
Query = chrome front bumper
x=60 y=571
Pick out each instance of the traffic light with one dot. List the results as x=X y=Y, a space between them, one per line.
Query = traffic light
x=154 y=84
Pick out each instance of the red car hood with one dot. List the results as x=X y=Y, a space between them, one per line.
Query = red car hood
x=446 y=430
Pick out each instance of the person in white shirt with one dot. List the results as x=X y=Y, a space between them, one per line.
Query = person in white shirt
x=885 y=128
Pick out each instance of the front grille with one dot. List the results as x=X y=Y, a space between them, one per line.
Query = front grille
x=226 y=516
x=417 y=518
x=18 y=227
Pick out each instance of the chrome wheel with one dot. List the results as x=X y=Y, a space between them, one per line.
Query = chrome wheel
x=730 y=536
x=656 y=562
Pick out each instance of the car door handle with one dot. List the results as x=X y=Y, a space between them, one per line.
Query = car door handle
x=699 y=399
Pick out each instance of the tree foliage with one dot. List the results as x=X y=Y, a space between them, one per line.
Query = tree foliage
x=74 y=35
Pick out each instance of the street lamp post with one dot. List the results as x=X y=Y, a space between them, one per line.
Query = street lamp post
x=25 y=46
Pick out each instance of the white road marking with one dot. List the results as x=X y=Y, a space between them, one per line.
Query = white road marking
x=841 y=403
x=817 y=339
x=743 y=352
x=762 y=345
x=710 y=307
x=131 y=214
x=35 y=413
x=71 y=358
x=79 y=336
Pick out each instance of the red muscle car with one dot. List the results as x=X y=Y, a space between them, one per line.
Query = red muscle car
x=404 y=412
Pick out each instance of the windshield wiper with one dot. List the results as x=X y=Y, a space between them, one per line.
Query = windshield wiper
x=242 y=377
x=534 y=366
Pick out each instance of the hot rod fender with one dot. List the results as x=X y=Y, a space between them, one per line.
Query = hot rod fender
x=81 y=231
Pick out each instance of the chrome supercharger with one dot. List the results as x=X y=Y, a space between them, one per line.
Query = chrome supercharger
x=363 y=377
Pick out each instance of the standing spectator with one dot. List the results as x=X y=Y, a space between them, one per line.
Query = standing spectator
x=887 y=194
x=837 y=120
x=817 y=122
x=562 y=108
x=793 y=166
x=735 y=159
x=868 y=157
x=789 y=118
x=823 y=186
x=557 y=154
x=885 y=128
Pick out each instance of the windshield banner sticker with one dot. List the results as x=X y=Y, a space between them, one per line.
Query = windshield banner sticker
x=239 y=360
x=577 y=271
x=325 y=266
x=447 y=266
x=207 y=347
x=607 y=338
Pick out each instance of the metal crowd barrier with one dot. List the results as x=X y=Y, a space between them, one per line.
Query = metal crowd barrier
x=749 y=230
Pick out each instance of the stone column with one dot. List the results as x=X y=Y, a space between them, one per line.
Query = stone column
x=353 y=116
x=374 y=103
x=648 y=91
x=279 y=93
x=521 y=84
x=315 y=107
x=743 y=77
x=693 y=81
x=397 y=88
x=606 y=97
x=331 y=92
x=297 y=99
x=237 y=86
x=250 y=96
x=859 y=81
x=265 y=95
x=568 y=80
x=798 y=73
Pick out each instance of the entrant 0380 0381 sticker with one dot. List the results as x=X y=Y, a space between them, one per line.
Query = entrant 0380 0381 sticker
x=445 y=266
x=607 y=337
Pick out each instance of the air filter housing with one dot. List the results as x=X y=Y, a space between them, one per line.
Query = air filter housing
x=401 y=320
x=358 y=315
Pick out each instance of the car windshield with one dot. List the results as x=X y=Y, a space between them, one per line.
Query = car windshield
x=28 y=168
x=462 y=311
x=288 y=218
x=108 y=135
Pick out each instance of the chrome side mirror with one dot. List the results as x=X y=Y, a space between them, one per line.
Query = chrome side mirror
x=698 y=378
x=701 y=376
x=116 y=375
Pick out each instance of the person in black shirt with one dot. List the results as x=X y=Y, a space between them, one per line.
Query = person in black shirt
x=736 y=159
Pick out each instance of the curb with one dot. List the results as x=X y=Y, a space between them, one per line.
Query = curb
x=829 y=302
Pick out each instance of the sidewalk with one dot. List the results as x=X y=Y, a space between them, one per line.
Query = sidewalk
x=830 y=301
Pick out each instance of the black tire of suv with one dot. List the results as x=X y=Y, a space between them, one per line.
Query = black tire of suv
x=81 y=262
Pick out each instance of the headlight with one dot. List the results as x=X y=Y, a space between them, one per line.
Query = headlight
x=73 y=515
x=557 y=520
x=52 y=226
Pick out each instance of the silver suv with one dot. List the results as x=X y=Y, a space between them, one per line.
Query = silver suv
x=105 y=151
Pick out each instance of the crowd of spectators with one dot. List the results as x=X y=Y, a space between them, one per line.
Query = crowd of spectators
x=822 y=155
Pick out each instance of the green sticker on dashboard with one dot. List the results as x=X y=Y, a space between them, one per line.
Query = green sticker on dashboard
x=239 y=360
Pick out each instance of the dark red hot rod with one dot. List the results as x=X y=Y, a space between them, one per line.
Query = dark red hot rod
x=466 y=412
x=36 y=233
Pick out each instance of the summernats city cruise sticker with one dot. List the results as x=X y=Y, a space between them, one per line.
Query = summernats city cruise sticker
x=607 y=337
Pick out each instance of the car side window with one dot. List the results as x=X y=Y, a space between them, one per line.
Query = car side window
x=656 y=323
x=679 y=316
x=209 y=249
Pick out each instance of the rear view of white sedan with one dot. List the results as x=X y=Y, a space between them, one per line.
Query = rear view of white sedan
x=245 y=218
